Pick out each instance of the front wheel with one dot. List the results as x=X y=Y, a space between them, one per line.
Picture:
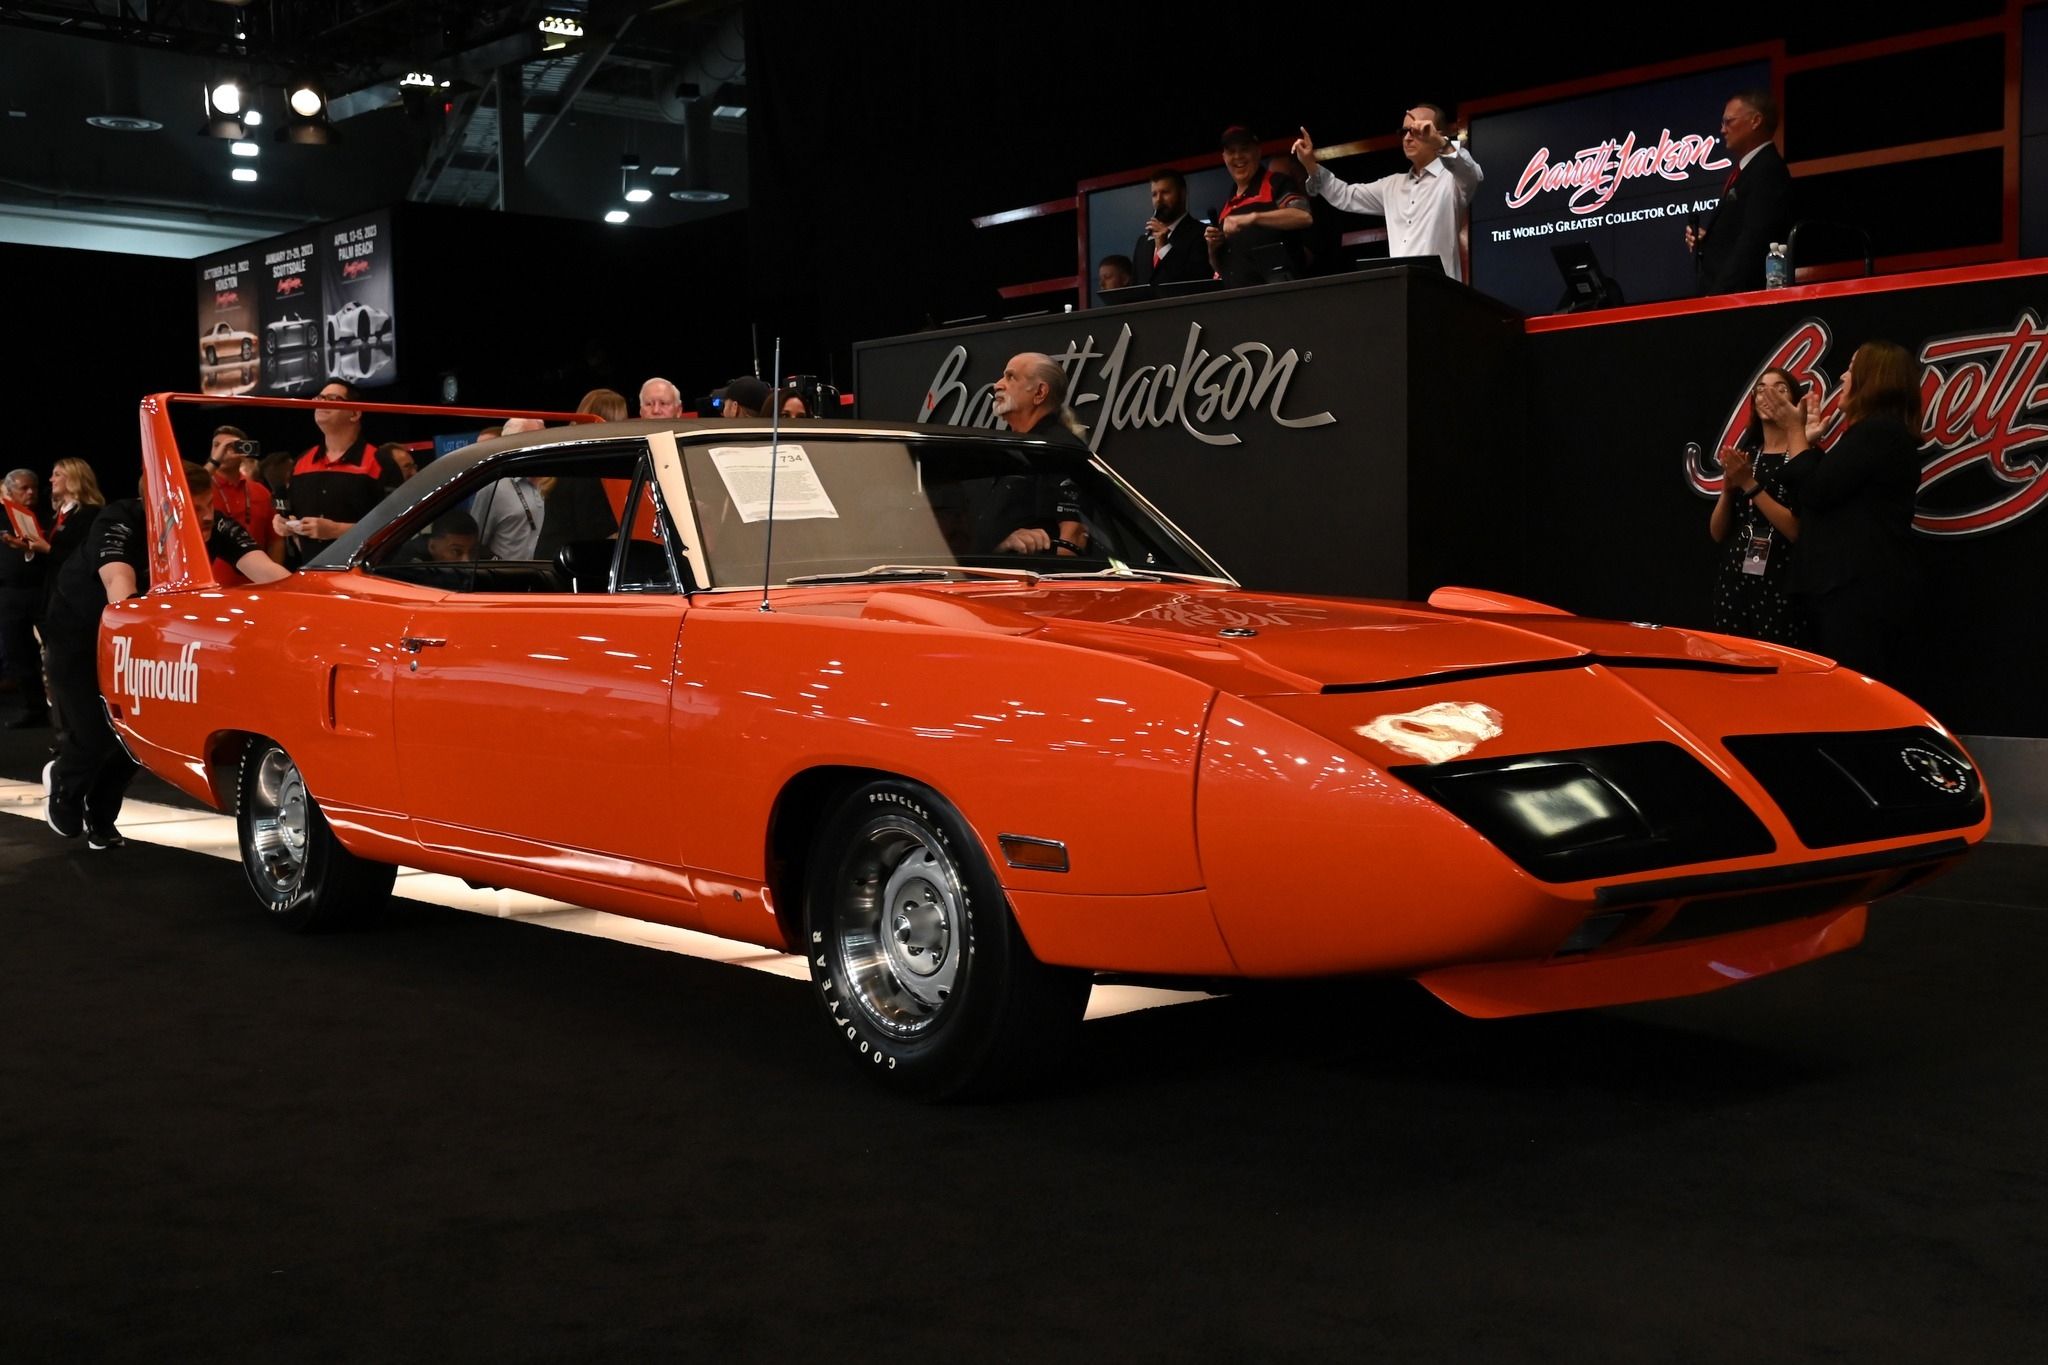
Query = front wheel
x=295 y=865
x=915 y=956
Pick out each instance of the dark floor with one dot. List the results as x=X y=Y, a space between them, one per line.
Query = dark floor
x=461 y=1138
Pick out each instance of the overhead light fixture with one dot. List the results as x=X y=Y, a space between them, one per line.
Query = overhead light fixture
x=423 y=79
x=243 y=149
x=225 y=98
x=254 y=118
x=245 y=174
x=731 y=112
x=306 y=100
x=666 y=170
x=617 y=216
x=639 y=194
x=556 y=31
x=699 y=196
x=122 y=123
x=631 y=188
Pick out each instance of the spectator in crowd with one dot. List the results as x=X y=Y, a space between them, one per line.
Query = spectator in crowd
x=1031 y=398
x=578 y=507
x=1856 y=570
x=240 y=499
x=1728 y=251
x=75 y=500
x=1171 y=249
x=1427 y=205
x=1113 y=272
x=336 y=483
x=1263 y=209
x=276 y=473
x=745 y=397
x=610 y=405
x=399 y=456
x=1754 y=520
x=793 y=406
x=453 y=538
x=84 y=787
x=24 y=566
x=659 y=398
x=509 y=512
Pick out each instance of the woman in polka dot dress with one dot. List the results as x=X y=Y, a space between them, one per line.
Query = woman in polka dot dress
x=1755 y=522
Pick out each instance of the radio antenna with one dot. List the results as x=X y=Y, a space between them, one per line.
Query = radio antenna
x=755 y=329
x=774 y=459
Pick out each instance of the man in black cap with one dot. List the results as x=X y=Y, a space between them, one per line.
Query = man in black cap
x=1265 y=208
x=745 y=397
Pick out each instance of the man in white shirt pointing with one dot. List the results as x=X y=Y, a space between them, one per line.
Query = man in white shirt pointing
x=1426 y=205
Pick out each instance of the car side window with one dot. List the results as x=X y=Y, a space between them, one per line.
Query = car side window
x=648 y=552
x=545 y=523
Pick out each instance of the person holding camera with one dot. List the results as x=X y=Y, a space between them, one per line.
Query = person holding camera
x=239 y=498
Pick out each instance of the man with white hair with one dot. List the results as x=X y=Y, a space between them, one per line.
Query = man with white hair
x=1031 y=398
x=659 y=398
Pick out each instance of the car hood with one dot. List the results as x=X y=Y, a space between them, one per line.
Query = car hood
x=1254 y=643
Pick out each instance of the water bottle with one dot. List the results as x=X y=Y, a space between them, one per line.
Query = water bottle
x=1777 y=267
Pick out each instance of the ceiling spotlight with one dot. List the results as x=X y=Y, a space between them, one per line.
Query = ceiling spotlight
x=122 y=123
x=699 y=196
x=245 y=174
x=226 y=98
x=617 y=216
x=254 y=118
x=734 y=112
x=557 y=31
x=639 y=195
x=306 y=100
x=423 y=79
x=243 y=149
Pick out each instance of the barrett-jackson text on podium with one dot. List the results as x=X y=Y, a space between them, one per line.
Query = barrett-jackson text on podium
x=1202 y=394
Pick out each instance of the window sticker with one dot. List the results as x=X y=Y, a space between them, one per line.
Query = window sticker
x=798 y=494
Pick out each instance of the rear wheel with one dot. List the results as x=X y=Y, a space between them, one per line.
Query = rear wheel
x=916 y=958
x=296 y=867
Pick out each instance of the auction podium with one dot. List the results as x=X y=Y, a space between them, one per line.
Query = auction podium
x=1340 y=435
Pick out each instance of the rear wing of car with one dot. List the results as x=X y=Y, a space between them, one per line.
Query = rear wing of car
x=178 y=561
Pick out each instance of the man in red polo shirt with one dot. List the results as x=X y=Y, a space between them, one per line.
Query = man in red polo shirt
x=1264 y=208
x=240 y=499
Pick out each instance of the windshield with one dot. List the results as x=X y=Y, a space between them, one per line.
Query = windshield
x=845 y=506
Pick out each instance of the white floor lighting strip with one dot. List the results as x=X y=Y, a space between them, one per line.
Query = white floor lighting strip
x=195 y=831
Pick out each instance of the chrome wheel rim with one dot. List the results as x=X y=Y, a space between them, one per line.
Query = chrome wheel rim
x=279 y=815
x=902 y=928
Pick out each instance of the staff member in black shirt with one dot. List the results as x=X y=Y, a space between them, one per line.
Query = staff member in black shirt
x=1265 y=207
x=336 y=483
x=84 y=787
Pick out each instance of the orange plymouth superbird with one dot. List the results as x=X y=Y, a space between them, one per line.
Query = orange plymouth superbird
x=809 y=688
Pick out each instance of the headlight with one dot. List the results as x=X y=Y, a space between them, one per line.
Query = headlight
x=1596 y=812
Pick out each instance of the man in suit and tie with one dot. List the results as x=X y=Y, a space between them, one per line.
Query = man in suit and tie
x=1171 y=249
x=1756 y=200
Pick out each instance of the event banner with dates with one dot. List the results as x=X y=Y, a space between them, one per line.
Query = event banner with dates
x=285 y=315
x=1622 y=171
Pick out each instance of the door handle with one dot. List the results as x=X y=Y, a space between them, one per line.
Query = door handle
x=413 y=644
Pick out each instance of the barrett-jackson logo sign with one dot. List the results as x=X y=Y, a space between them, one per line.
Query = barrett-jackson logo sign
x=1984 y=428
x=1203 y=392
x=1595 y=174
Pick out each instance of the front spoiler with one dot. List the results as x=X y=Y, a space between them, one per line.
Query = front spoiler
x=1658 y=972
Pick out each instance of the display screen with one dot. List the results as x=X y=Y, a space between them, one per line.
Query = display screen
x=1621 y=171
